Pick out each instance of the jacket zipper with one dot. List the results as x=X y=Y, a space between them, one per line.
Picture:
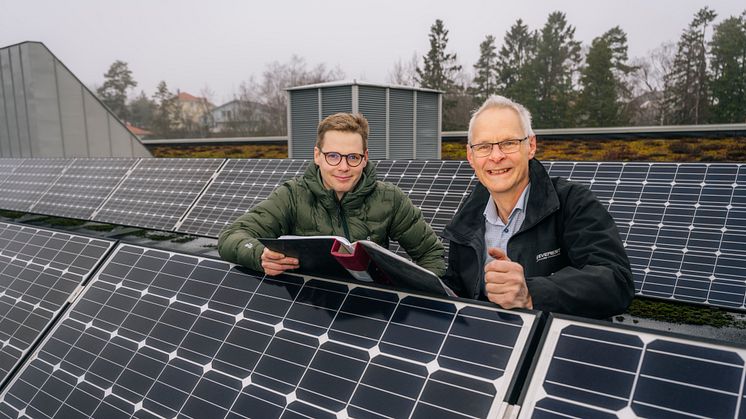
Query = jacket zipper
x=342 y=220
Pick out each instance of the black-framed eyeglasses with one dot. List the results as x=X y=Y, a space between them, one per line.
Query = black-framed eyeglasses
x=506 y=146
x=334 y=158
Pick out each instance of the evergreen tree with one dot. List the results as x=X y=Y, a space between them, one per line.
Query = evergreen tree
x=117 y=81
x=439 y=72
x=601 y=101
x=141 y=111
x=519 y=47
x=687 y=83
x=550 y=73
x=439 y=67
x=485 y=80
x=167 y=113
x=728 y=70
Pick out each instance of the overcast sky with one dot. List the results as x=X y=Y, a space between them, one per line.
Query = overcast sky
x=192 y=44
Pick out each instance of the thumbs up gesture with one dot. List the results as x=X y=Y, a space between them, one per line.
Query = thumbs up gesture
x=505 y=283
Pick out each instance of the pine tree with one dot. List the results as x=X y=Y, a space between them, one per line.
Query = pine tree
x=439 y=67
x=728 y=70
x=166 y=115
x=439 y=72
x=117 y=81
x=485 y=80
x=600 y=103
x=687 y=87
x=550 y=73
x=518 y=49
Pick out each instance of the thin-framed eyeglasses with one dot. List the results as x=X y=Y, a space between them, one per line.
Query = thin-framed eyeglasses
x=506 y=146
x=334 y=158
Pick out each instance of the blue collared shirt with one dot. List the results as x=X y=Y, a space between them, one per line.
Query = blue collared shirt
x=497 y=233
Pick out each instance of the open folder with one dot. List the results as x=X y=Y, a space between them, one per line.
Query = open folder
x=363 y=261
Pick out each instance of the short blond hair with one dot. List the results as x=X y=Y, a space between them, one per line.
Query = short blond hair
x=345 y=122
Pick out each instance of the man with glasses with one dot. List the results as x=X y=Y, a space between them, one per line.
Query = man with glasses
x=523 y=239
x=337 y=195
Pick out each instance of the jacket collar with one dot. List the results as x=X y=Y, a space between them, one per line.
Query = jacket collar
x=466 y=225
x=328 y=198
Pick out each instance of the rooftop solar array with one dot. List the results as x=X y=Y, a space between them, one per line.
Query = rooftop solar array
x=83 y=187
x=598 y=370
x=39 y=271
x=160 y=334
x=683 y=225
x=28 y=182
x=240 y=184
x=157 y=192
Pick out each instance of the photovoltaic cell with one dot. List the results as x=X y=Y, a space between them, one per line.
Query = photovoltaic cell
x=39 y=271
x=437 y=187
x=601 y=370
x=240 y=184
x=682 y=225
x=7 y=166
x=28 y=182
x=166 y=334
x=83 y=187
x=157 y=192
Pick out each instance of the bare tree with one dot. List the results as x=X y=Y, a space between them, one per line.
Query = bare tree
x=648 y=86
x=404 y=73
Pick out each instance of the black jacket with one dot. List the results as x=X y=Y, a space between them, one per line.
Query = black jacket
x=568 y=245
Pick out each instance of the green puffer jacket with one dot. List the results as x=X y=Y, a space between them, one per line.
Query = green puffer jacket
x=374 y=210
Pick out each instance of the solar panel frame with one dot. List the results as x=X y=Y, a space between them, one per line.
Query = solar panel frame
x=83 y=187
x=157 y=193
x=22 y=188
x=587 y=368
x=40 y=272
x=308 y=345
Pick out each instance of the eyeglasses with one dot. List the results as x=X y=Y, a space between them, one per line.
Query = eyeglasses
x=507 y=147
x=334 y=158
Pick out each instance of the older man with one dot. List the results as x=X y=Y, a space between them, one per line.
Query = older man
x=523 y=239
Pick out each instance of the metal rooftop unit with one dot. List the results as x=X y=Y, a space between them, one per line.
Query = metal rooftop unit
x=404 y=121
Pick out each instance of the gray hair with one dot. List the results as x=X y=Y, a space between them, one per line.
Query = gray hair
x=501 y=102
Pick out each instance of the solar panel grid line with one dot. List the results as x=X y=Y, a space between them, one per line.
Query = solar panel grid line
x=115 y=188
x=199 y=195
x=7 y=167
x=158 y=192
x=675 y=221
x=40 y=272
x=296 y=322
x=83 y=187
x=588 y=368
x=241 y=184
x=29 y=181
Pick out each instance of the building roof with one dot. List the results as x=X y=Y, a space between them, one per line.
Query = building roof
x=186 y=97
x=359 y=83
x=140 y=132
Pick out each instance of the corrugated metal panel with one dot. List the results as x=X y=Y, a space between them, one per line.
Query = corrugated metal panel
x=401 y=130
x=47 y=112
x=427 y=126
x=372 y=104
x=5 y=150
x=335 y=99
x=304 y=111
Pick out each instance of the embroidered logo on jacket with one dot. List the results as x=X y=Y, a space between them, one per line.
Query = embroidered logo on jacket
x=548 y=255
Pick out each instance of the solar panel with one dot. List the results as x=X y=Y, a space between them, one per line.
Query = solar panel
x=682 y=224
x=7 y=166
x=39 y=271
x=240 y=184
x=28 y=182
x=167 y=334
x=157 y=192
x=602 y=370
x=83 y=187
